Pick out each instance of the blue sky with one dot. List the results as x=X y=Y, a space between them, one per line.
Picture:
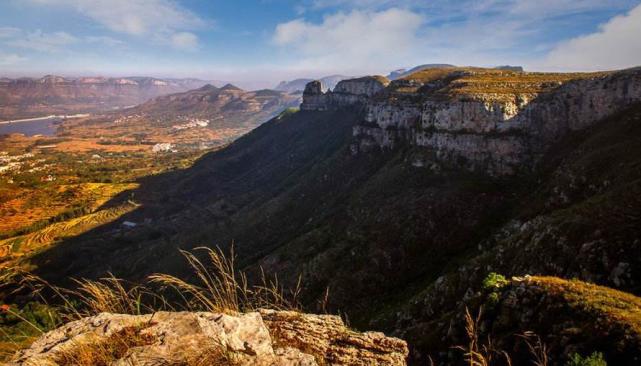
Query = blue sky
x=259 y=42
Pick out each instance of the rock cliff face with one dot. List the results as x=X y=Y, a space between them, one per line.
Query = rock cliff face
x=492 y=120
x=346 y=93
x=274 y=338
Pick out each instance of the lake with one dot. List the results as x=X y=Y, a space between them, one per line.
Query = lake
x=45 y=126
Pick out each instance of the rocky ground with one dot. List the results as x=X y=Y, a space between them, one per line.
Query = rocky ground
x=199 y=338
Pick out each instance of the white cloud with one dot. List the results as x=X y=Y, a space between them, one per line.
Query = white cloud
x=539 y=7
x=136 y=17
x=551 y=8
x=39 y=41
x=163 y=21
x=465 y=32
x=184 y=40
x=358 y=40
x=8 y=32
x=107 y=41
x=617 y=44
x=10 y=59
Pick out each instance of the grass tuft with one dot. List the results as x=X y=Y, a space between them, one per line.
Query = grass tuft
x=221 y=288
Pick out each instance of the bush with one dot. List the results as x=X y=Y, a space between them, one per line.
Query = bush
x=494 y=281
x=595 y=359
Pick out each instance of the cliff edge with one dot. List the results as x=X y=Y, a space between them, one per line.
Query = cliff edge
x=497 y=121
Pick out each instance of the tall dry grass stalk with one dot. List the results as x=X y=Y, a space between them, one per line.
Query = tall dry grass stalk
x=108 y=294
x=221 y=288
x=537 y=348
x=475 y=353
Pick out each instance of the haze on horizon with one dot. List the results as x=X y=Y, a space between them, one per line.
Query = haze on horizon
x=258 y=43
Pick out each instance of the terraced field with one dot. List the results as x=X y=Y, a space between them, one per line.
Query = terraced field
x=30 y=209
x=18 y=246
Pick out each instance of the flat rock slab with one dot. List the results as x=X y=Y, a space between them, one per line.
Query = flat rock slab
x=168 y=338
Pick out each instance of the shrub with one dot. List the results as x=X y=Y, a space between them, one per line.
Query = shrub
x=595 y=359
x=494 y=281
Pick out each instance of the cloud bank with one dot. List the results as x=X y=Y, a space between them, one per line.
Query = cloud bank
x=162 y=20
x=616 y=45
x=358 y=40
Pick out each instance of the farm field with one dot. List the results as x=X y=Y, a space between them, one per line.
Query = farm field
x=54 y=187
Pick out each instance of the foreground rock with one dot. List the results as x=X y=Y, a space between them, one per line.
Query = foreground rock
x=194 y=338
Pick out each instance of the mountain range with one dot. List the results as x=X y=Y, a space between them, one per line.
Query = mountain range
x=404 y=202
x=400 y=73
x=207 y=116
x=29 y=97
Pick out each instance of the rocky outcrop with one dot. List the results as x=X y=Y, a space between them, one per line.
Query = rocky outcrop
x=259 y=338
x=327 y=338
x=313 y=97
x=497 y=131
x=347 y=93
x=494 y=120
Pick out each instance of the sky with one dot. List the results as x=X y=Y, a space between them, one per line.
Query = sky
x=257 y=43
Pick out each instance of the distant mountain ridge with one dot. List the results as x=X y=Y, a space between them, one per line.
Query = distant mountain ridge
x=401 y=73
x=397 y=74
x=227 y=107
x=52 y=94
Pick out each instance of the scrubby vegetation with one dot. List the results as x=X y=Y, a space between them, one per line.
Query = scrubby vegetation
x=19 y=326
x=474 y=80
x=103 y=352
x=595 y=359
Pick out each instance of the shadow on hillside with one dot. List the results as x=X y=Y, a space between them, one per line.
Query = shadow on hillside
x=176 y=206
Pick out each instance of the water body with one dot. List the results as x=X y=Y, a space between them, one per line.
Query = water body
x=39 y=126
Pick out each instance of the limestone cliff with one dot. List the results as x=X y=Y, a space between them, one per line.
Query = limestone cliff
x=346 y=93
x=492 y=120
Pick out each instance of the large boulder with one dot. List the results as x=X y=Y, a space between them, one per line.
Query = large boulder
x=169 y=338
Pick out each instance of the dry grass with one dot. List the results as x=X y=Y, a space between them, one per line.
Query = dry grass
x=537 y=348
x=477 y=353
x=614 y=308
x=214 y=354
x=109 y=295
x=119 y=347
x=220 y=288
x=102 y=352
x=223 y=289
